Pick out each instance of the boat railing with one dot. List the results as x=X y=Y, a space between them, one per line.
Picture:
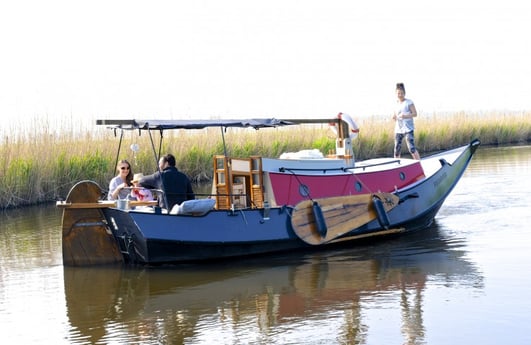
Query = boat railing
x=365 y=166
x=324 y=170
x=249 y=202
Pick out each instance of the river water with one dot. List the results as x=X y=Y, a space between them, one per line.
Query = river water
x=464 y=280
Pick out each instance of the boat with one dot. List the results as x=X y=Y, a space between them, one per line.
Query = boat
x=261 y=205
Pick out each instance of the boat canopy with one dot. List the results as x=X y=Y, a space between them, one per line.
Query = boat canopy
x=192 y=124
x=200 y=124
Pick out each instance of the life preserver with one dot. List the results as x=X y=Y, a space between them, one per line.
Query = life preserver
x=353 y=128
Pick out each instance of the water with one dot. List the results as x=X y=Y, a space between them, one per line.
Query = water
x=464 y=280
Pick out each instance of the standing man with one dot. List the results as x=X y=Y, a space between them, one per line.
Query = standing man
x=404 y=113
x=176 y=185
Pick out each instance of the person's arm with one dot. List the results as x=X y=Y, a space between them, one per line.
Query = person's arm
x=150 y=181
x=112 y=188
x=412 y=110
x=115 y=194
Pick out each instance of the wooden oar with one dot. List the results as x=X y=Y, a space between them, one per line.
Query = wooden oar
x=339 y=215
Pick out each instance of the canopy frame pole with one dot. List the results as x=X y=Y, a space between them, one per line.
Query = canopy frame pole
x=157 y=157
x=223 y=139
x=119 y=148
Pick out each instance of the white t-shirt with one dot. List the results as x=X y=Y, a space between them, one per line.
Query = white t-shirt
x=404 y=126
x=115 y=182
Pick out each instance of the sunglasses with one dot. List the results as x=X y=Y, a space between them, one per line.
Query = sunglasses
x=124 y=168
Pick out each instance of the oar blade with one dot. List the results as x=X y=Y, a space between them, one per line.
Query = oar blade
x=340 y=215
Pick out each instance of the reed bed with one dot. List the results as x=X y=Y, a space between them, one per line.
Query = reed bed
x=41 y=164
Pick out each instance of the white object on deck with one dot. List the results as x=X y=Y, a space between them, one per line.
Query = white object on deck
x=195 y=207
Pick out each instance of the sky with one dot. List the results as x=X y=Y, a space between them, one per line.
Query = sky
x=242 y=58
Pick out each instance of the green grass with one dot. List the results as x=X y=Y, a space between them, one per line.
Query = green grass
x=41 y=166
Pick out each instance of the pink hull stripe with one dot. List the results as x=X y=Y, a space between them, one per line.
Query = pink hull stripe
x=286 y=186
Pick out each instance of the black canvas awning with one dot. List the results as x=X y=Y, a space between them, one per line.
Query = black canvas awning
x=200 y=124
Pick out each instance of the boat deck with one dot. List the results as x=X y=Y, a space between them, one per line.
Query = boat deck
x=316 y=166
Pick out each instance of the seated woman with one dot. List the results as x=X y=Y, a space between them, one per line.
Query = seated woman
x=118 y=187
x=138 y=192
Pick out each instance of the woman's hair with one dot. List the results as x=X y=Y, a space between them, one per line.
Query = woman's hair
x=129 y=176
x=400 y=86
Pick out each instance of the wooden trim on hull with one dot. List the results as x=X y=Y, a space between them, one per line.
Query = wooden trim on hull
x=102 y=204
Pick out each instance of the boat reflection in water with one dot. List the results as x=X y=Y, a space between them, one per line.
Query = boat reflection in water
x=267 y=300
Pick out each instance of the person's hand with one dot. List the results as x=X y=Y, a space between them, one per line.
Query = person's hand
x=116 y=193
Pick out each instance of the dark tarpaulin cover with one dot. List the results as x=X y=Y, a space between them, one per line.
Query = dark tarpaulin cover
x=192 y=124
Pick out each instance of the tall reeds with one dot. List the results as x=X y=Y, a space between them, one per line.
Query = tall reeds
x=40 y=164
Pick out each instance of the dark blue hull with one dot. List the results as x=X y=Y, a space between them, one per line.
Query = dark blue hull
x=156 y=239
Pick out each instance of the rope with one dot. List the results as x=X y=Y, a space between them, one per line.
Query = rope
x=300 y=184
x=360 y=182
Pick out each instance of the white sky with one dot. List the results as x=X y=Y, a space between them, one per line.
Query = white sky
x=283 y=58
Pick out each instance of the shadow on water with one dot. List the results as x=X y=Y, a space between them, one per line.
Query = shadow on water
x=271 y=294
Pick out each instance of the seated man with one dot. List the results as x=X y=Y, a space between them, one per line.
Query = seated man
x=176 y=185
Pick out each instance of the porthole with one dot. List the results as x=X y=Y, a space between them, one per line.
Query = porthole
x=402 y=176
x=358 y=186
x=304 y=190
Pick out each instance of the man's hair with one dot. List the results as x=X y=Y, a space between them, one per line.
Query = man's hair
x=170 y=159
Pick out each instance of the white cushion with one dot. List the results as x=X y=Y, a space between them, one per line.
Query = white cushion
x=195 y=207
